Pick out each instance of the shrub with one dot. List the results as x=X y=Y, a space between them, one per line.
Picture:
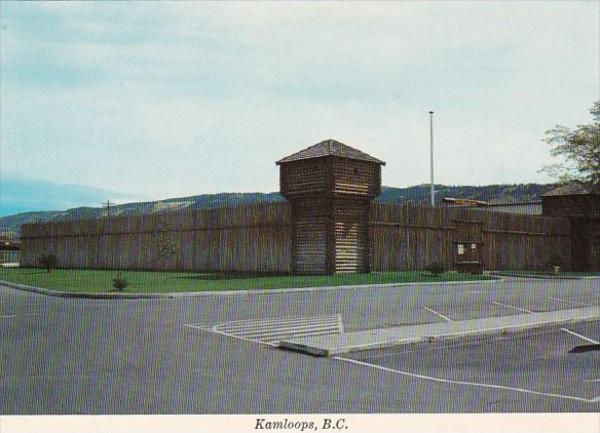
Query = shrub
x=48 y=261
x=555 y=263
x=436 y=268
x=555 y=260
x=120 y=282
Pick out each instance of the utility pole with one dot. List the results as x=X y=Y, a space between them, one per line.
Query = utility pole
x=431 y=156
x=107 y=208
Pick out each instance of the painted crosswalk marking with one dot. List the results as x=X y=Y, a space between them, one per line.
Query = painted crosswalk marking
x=270 y=331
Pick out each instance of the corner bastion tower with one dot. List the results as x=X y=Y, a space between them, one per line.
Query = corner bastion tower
x=581 y=204
x=330 y=187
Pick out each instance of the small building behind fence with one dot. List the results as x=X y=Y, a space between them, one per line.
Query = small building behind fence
x=533 y=207
x=9 y=249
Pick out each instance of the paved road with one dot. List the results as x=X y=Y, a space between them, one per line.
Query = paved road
x=78 y=356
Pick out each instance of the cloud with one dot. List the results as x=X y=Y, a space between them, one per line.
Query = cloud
x=168 y=99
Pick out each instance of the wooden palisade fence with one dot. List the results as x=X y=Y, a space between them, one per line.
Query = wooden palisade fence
x=259 y=238
x=329 y=225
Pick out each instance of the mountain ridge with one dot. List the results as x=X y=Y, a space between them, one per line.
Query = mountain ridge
x=417 y=194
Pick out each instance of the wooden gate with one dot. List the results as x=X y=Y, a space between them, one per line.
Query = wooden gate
x=468 y=245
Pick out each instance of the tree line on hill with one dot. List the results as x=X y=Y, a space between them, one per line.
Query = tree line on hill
x=418 y=195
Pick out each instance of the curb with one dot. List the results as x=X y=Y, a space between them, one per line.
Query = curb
x=544 y=277
x=500 y=330
x=81 y=295
x=312 y=289
x=59 y=294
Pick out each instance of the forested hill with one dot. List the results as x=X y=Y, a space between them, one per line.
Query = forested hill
x=504 y=193
x=418 y=194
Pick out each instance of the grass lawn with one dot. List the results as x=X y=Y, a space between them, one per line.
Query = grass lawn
x=98 y=281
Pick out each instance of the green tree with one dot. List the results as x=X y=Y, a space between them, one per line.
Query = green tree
x=579 y=147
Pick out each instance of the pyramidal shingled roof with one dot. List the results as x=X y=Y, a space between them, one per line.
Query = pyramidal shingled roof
x=330 y=147
x=573 y=188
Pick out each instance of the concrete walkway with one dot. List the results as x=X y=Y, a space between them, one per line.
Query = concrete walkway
x=336 y=344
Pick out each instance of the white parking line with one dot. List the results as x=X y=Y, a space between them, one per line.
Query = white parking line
x=465 y=383
x=246 y=339
x=593 y=380
x=245 y=322
x=8 y=316
x=231 y=335
x=198 y=326
x=510 y=306
x=204 y=325
x=568 y=300
x=340 y=323
x=438 y=314
x=583 y=337
x=226 y=327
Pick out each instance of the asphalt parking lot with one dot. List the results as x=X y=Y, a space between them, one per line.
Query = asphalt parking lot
x=215 y=354
x=558 y=363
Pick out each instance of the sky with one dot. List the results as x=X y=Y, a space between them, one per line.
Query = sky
x=152 y=100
